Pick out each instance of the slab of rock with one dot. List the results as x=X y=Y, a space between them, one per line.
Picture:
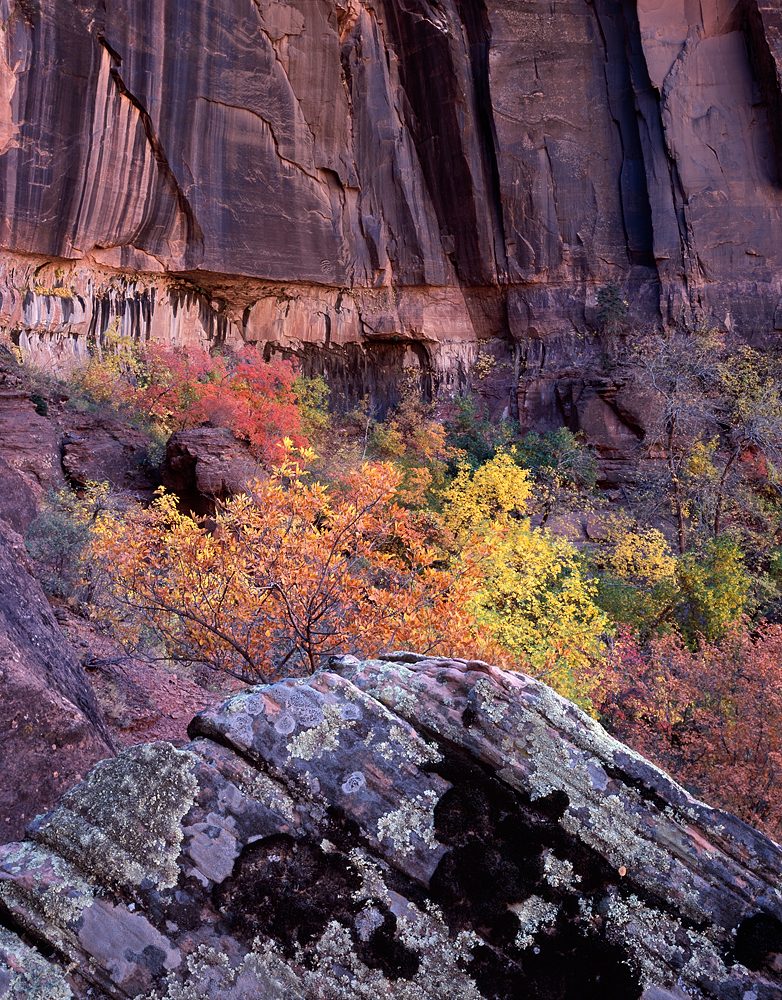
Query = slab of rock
x=101 y=449
x=205 y=464
x=407 y=827
x=51 y=730
x=29 y=442
x=18 y=499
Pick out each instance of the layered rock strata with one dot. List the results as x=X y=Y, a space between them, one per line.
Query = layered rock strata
x=376 y=184
x=406 y=827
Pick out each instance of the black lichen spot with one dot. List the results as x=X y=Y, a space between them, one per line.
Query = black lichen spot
x=287 y=890
x=290 y=890
x=475 y=884
x=500 y=842
x=566 y=965
x=151 y=958
x=469 y=717
x=554 y=805
x=184 y=905
x=385 y=952
x=757 y=937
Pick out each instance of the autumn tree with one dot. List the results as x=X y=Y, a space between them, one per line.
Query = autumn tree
x=563 y=471
x=636 y=572
x=176 y=389
x=289 y=574
x=714 y=436
x=532 y=594
x=641 y=583
x=712 y=717
x=680 y=374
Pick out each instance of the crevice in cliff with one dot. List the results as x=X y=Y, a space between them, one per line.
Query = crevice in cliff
x=268 y=124
x=633 y=188
x=767 y=72
x=659 y=167
x=476 y=21
x=436 y=101
x=194 y=236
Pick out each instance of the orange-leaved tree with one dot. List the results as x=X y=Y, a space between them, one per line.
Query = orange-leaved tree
x=287 y=575
x=712 y=717
x=178 y=389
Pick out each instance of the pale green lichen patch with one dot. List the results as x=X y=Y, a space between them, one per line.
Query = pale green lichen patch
x=210 y=975
x=559 y=872
x=415 y=749
x=657 y=941
x=338 y=973
x=415 y=816
x=26 y=975
x=123 y=823
x=311 y=744
x=47 y=892
x=492 y=707
x=270 y=793
x=534 y=913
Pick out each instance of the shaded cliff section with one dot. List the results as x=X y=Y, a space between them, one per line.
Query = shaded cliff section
x=378 y=184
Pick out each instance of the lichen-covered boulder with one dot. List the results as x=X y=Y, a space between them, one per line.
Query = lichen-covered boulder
x=409 y=828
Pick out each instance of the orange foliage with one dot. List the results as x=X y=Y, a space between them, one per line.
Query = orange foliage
x=288 y=575
x=712 y=718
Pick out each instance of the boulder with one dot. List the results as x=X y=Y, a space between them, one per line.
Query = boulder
x=51 y=730
x=99 y=448
x=205 y=464
x=406 y=827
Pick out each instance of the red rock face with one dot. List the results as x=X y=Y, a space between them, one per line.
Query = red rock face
x=466 y=169
x=52 y=730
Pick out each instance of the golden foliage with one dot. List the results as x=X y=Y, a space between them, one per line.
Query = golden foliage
x=288 y=574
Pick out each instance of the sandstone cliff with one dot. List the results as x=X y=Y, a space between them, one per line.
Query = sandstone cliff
x=51 y=729
x=374 y=183
x=407 y=828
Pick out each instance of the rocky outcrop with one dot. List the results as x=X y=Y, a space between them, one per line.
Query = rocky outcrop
x=18 y=500
x=29 y=442
x=99 y=448
x=51 y=730
x=375 y=184
x=205 y=464
x=404 y=827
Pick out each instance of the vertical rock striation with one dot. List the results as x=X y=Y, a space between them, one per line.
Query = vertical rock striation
x=376 y=184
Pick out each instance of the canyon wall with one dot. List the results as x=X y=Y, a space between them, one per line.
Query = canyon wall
x=379 y=184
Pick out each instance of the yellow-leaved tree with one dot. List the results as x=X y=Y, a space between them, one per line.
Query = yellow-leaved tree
x=287 y=575
x=532 y=595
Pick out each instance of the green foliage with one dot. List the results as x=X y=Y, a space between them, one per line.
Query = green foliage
x=472 y=434
x=312 y=400
x=41 y=403
x=715 y=587
x=563 y=470
x=612 y=308
x=637 y=583
x=60 y=539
